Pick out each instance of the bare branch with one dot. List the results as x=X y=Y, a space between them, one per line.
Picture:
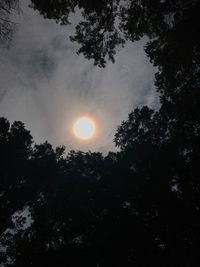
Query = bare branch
x=7 y=27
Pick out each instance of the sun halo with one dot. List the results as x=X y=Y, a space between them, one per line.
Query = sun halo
x=84 y=128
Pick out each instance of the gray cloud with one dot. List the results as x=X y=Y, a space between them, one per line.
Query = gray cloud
x=46 y=85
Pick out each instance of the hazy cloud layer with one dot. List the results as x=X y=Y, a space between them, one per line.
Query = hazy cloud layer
x=46 y=85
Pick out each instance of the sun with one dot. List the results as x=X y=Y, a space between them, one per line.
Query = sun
x=84 y=128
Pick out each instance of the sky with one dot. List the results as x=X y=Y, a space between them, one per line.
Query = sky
x=46 y=85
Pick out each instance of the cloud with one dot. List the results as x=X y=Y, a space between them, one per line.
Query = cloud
x=45 y=84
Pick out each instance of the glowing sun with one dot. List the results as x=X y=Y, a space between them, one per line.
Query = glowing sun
x=84 y=128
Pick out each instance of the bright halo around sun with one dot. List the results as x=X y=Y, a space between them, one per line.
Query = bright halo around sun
x=84 y=128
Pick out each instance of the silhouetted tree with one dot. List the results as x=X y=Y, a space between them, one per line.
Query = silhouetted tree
x=96 y=33
x=15 y=150
x=172 y=26
x=166 y=186
x=137 y=207
x=106 y=211
x=173 y=45
x=7 y=26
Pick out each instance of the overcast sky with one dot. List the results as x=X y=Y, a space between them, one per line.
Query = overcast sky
x=46 y=85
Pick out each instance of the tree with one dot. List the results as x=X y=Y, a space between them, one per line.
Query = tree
x=7 y=26
x=139 y=206
x=99 y=35
x=163 y=158
x=15 y=151
x=111 y=211
x=173 y=45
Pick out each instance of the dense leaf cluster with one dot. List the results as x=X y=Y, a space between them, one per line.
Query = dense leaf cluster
x=138 y=207
x=173 y=46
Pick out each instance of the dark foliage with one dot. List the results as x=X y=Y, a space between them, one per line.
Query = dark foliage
x=172 y=28
x=138 y=207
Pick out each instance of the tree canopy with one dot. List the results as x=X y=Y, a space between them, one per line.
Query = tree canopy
x=173 y=45
x=136 y=207
x=172 y=26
